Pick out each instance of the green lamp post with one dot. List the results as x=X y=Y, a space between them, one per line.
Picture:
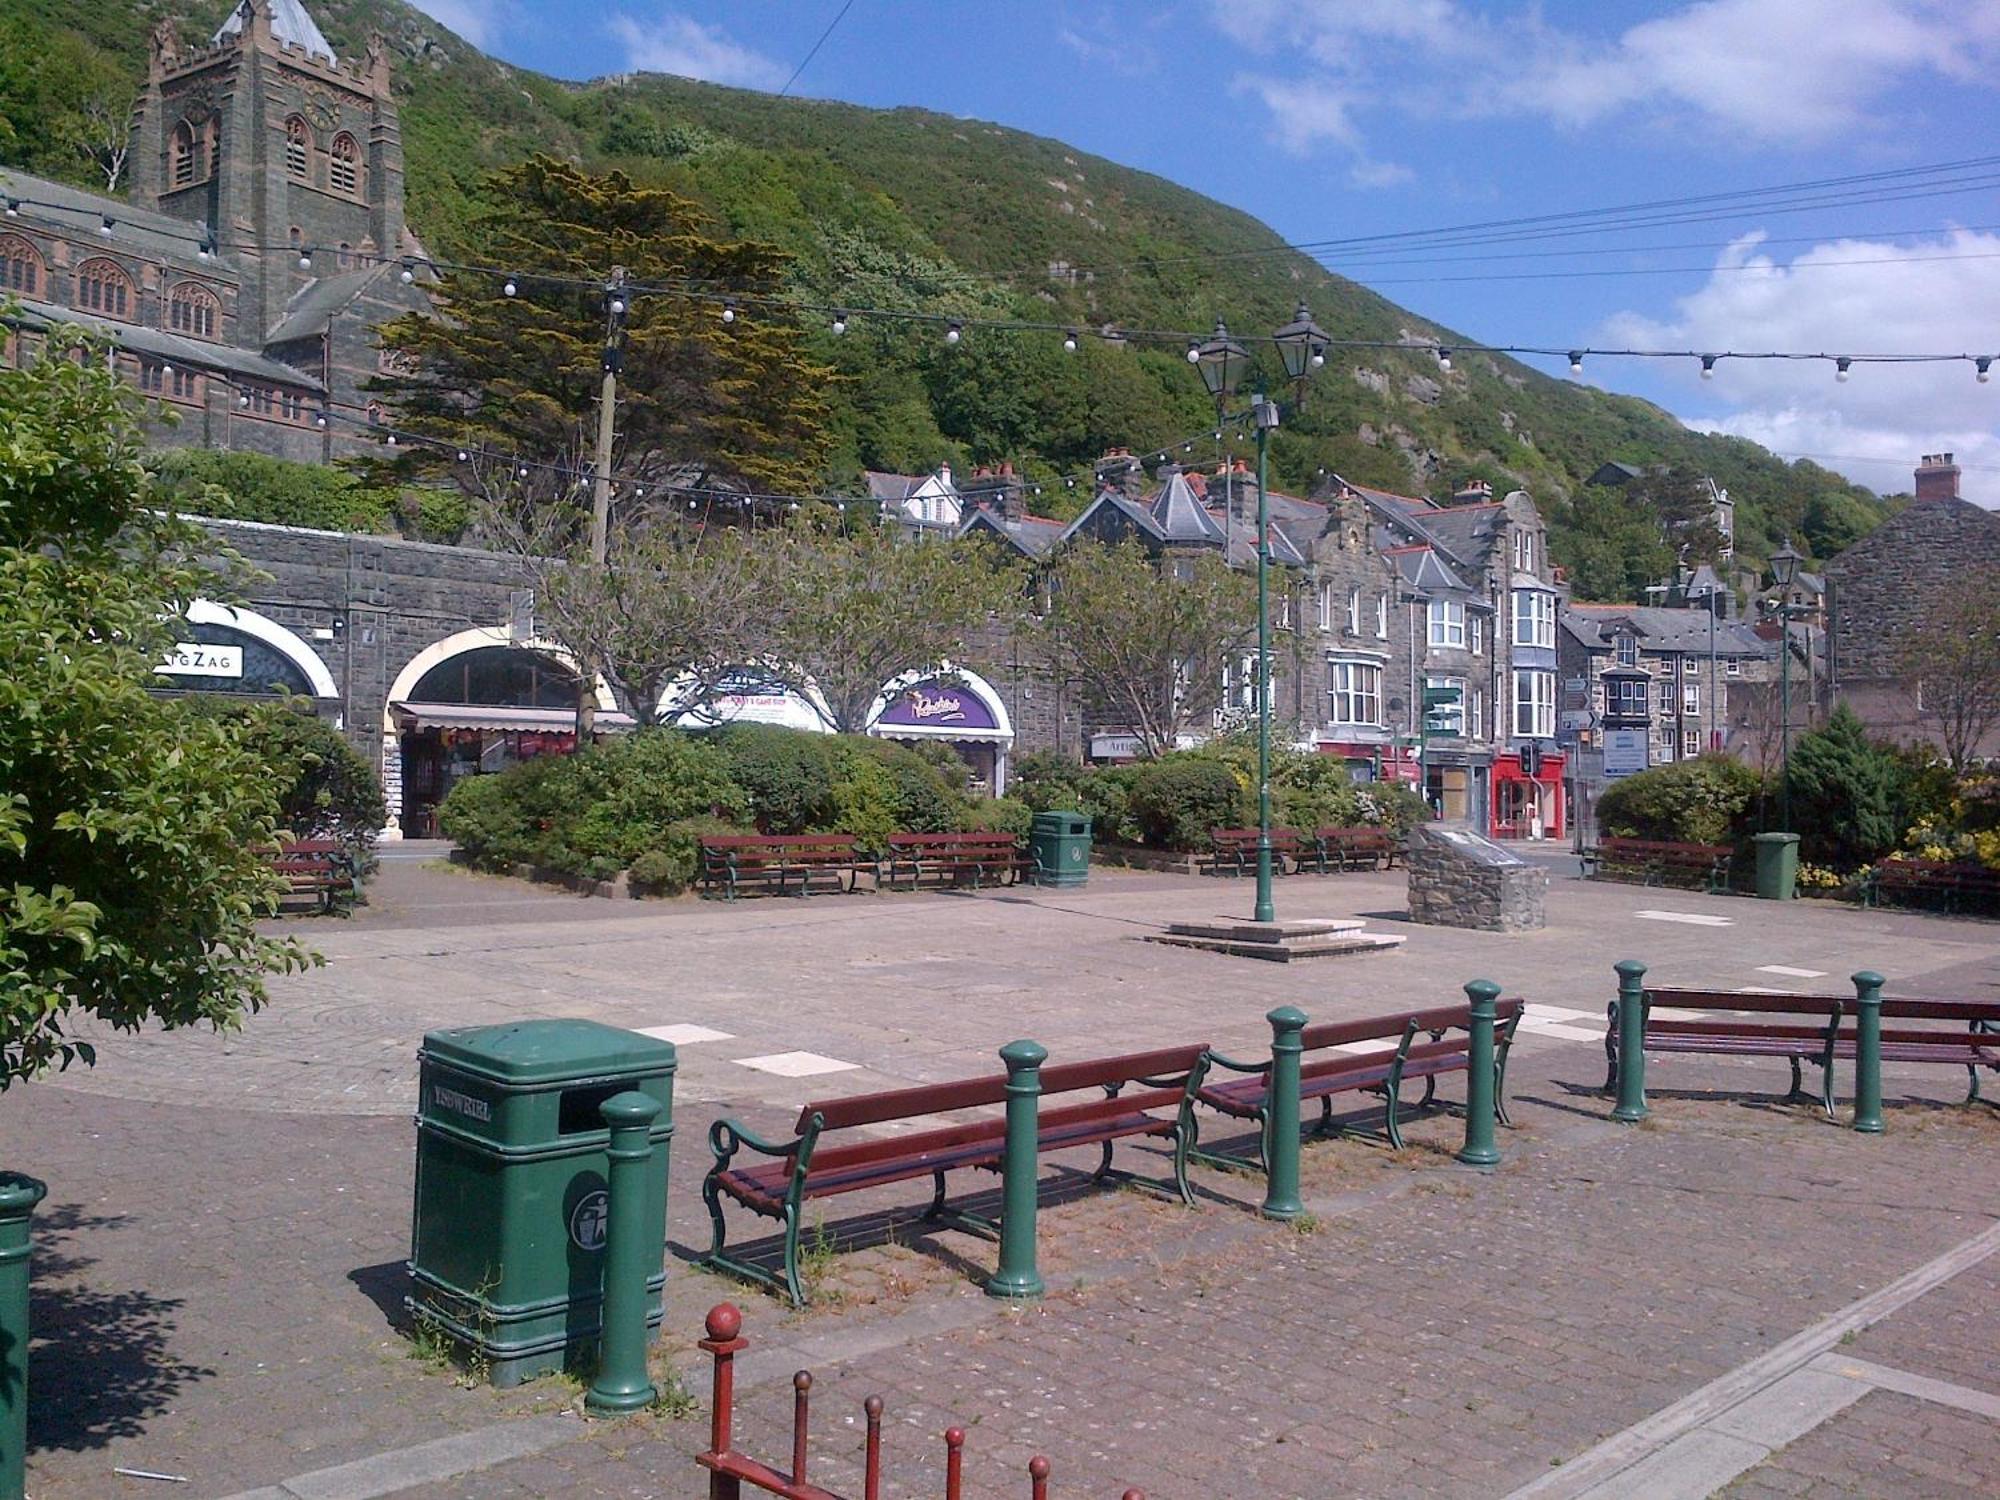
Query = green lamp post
x=1784 y=569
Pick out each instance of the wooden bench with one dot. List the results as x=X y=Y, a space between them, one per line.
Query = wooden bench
x=806 y=1168
x=983 y=858
x=775 y=861
x=1973 y=1043
x=1380 y=1070
x=1366 y=848
x=1235 y=850
x=1813 y=1039
x=319 y=870
x=1954 y=882
x=1652 y=861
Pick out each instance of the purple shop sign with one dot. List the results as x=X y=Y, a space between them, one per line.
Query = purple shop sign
x=931 y=704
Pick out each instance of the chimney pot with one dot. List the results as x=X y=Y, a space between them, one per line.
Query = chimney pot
x=1937 y=477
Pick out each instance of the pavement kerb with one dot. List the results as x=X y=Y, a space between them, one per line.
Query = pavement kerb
x=425 y=1463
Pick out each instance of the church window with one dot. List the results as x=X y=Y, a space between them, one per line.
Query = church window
x=193 y=310
x=20 y=265
x=152 y=376
x=183 y=154
x=343 y=170
x=186 y=385
x=298 y=149
x=103 y=287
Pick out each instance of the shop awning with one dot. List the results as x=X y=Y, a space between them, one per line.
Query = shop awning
x=484 y=716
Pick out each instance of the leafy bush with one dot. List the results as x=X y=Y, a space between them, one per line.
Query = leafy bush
x=999 y=815
x=1107 y=796
x=1708 y=800
x=926 y=795
x=324 y=788
x=1845 y=794
x=672 y=864
x=1049 y=782
x=1393 y=805
x=255 y=487
x=787 y=775
x=1314 y=791
x=1178 y=798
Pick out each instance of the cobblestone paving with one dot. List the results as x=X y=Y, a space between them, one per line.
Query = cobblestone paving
x=1885 y=1444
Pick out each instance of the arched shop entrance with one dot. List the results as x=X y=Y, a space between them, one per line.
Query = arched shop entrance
x=236 y=651
x=960 y=709
x=470 y=705
x=747 y=695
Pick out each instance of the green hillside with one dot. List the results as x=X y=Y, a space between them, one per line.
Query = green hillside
x=910 y=209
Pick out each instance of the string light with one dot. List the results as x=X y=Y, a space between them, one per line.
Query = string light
x=1708 y=366
x=463 y=456
x=1841 y=367
x=1444 y=359
x=1576 y=361
x=1981 y=369
x=1069 y=342
x=508 y=288
x=408 y=273
x=729 y=312
x=617 y=306
x=319 y=418
x=839 y=322
x=13 y=208
x=954 y=333
x=305 y=260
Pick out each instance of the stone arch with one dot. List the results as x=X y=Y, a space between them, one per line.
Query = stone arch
x=298 y=148
x=103 y=286
x=287 y=643
x=21 y=266
x=194 y=310
x=343 y=166
x=478 y=639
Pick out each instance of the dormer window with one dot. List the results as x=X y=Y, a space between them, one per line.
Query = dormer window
x=1628 y=651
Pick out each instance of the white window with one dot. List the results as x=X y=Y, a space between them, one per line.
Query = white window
x=1690 y=743
x=1326 y=606
x=1732 y=666
x=1475 y=714
x=1354 y=689
x=1534 y=618
x=1628 y=697
x=1628 y=651
x=1354 y=612
x=1447 y=622
x=1381 y=617
x=1239 y=683
x=1665 y=697
x=1691 y=697
x=1283 y=618
x=1689 y=666
x=1524 y=552
x=1535 y=704
x=1475 y=632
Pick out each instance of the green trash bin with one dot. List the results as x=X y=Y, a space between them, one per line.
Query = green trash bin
x=507 y=1237
x=1777 y=865
x=1060 y=844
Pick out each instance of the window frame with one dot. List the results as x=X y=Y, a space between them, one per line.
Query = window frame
x=25 y=270
x=1354 y=685
x=299 y=149
x=1439 y=625
x=1539 y=617
x=343 y=171
x=92 y=273
x=1540 y=707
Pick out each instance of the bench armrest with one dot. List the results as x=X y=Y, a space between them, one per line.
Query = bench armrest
x=724 y=1136
x=1216 y=1059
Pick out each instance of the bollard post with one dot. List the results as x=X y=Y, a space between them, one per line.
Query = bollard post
x=724 y=1343
x=1479 y=1150
x=622 y=1384
x=1631 y=1106
x=1017 y=1276
x=1281 y=1116
x=1868 y=1052
x=18 y=1197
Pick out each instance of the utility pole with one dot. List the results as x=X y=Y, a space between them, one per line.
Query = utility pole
x=600 y=500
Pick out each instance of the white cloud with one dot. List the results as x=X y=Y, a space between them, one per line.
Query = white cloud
x=1766 y=70
x=478 y=21
x=674 y=43
x=1851 y=297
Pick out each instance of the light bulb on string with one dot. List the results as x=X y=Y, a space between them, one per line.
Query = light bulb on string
x=1444 y=359
x=13 y=208
x=617 y=307
x=305 y=260
x=108 y=225
x=1576 y=361
x=521 y=472
x=729 y=312
x=954 y=333
x=463 y=456
x=1982 y=368
x=408 y=274
x=840 y=322
x=391 y=440
x=1841 y=367
x=1069 y=342
x=319 y=419
x=1708 y=366
x=1319 y=358
x=1193 y=352
x=508 y=288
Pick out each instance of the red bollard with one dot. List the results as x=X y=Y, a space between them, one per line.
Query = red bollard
x=954 y=1463
x=872 y=1477
x=802 y=1384
x=1038 y=1477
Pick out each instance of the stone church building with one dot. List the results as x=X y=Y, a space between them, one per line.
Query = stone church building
x=261 y=242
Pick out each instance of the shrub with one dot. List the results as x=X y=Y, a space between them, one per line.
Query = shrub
x=670 y=866
x=1178 y=798
x=1314 y=791
x=255 y=487
x=998 y=815
x=864 y=797
x=1048 y=782
x=786 y=773
x=1708 y=800
x=1845 y=792
x=1106 y=795
x=324 y=788
x=925 y=796
x=1394 y=805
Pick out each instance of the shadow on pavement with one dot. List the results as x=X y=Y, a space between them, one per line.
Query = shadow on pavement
x=98 y=1362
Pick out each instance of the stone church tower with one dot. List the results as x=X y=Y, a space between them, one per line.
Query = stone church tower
x=263 y=135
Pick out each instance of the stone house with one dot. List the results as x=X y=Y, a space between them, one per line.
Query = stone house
x=261 y=243
x=1882 y=588
x=1664 y=684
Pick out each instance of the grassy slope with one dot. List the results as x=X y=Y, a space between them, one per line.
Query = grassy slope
x=908 y=208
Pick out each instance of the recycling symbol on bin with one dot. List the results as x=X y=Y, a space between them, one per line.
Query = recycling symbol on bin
x=587 y=1220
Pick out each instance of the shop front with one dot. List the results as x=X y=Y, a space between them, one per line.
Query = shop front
x=955 y=708
x=1528 y=800
x=239 y=653
x=746 y=695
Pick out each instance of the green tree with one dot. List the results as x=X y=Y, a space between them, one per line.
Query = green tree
x=1845 y=793
x=1684 y=507
x=1149 y=638
x=1951 y=661
x=848 y=609
x=130 y=885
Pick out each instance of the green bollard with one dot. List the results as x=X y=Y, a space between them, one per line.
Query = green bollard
x=1479 y=1150
x=1631 y=1041
x=622 y=1384
x=1017 y=1276
x=1281 y=1116
x=1868 y=1052
x=18 y=1197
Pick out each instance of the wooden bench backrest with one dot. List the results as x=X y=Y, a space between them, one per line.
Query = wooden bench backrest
x=951 y=840
x=1162 y=1062
x=1967 y=1011
x=1793 y=1005
x=1661 y=846
x=1229 y=837
x=902 y=1104
x=1362 y=835
x=1392 y=1026
x=777 y=841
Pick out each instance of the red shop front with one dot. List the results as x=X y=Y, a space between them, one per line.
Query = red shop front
x=1524 y=806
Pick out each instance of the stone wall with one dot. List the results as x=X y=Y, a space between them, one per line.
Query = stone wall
x=1458 y=879
x=1880 y=587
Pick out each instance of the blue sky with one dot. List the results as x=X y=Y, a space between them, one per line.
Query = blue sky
x=1337 y=118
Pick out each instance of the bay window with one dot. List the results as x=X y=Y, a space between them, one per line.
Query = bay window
x=1354 y=691
x=1534 y=704
x=1534 y=618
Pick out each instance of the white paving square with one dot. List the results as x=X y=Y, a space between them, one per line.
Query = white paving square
x=1567 y=1033
x=1791 y=973
x=1536 y=1014
x=1692 y=918
x=686 y=1034
x=797 y=1064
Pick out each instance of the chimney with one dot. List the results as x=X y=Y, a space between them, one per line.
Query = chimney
x=1937 y=477
x=944 y=475
x=1119 y=470
x=1472 y=492
x=1013 y=493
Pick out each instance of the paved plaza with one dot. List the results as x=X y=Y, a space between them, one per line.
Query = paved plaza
x=1738 y=1296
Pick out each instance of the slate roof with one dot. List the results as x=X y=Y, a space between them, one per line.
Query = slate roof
x=319 y=301
x=1035 y=536
x=1661 y=629
x=1179 y=516
x=289 y=23
x=892 y=486
x=132 y=228
x=172 y=347
x=1425 y=571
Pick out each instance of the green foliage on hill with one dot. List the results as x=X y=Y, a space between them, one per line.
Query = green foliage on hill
x=918 y=211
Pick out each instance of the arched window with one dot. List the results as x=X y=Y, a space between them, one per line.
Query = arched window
x=20 y=265
x=343 y=169
x=183 y=156
x=192 y=309
x=103 y=287
x=298 y=149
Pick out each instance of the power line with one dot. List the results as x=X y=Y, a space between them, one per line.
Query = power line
x=839 y=16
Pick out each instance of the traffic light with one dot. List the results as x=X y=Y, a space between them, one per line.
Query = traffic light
x=1531 y=758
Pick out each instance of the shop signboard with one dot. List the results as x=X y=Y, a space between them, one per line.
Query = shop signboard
x=1624 y=752
x=937 y=706
x=197 y=659
x=1114 y=747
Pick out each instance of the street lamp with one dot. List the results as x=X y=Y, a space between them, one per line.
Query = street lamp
x=1785 y=568
x=1302 y=345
